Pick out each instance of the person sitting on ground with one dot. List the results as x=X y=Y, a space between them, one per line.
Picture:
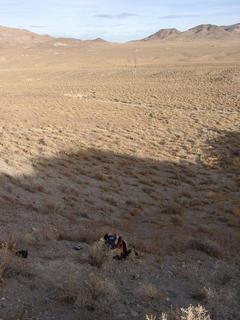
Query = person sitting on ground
x=115 y=242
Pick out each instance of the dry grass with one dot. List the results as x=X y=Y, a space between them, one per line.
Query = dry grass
x=151 y=245
x=41 y=236
x=96 y=292
x=4 y=262
x=12 y=266
x=6 y=251
x=81 y=234
x=98 y=254
x=49 y=206
x=194 y=313
x=190 y=313
x=148 y=291
x=68 y=292
x=173 y=209
x=206 y=246
x=89 y=164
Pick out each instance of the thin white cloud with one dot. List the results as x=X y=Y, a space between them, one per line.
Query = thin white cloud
x=37 y=27
x=124 y=15
x=179 y=16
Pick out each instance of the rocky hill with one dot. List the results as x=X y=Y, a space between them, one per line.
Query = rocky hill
x=200 y=32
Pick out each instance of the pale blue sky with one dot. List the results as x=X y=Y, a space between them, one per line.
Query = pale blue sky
x=115 y=20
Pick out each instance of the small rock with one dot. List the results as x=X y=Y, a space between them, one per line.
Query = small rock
x=133 y=313
x=30 y=238
x=77 y=247
x=135 y=277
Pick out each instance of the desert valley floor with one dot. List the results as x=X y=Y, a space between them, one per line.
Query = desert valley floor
x=142 y=139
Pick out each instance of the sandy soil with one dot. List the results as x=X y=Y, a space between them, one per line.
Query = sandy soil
x=141 y=139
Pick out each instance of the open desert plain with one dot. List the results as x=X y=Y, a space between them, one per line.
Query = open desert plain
x=141 y=139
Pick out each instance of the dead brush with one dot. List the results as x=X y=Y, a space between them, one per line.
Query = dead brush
x=206 y=246
x=39 y=237
x=10 y=265
x=150 y=246
x=163 y=316
x=151 y=317
x=96 y=292
x=177 y=220
x=148 y=291
x=145 y=180
x=98 y=254
x=51 y=207
x=16 y=267
x=190 y=313
x=11 y=242
x=68 y=292
x=30 y=185
x=100 y=176
x=21 y=315
x=4 y=262
x=135 y=211
x=110 y=200
x=80 y=235
x=194 y=313
x=173 y=209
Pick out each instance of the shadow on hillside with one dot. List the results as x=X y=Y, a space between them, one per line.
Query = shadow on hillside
x=225 y=151
x=137 y=197
x=159 y=207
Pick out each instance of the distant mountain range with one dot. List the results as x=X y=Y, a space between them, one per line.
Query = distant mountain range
x=13 y=36
x=203 y=31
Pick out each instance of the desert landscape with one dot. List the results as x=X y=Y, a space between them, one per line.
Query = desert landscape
x=141 y=139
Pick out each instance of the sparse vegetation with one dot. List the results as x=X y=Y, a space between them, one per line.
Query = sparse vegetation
x=81 y=234
x=195 y=313
x=190 y=313
x=206 y=246
x=86 y=148
x=96 y=292
x=4 y=256
x=98 y=254
x=148 y=291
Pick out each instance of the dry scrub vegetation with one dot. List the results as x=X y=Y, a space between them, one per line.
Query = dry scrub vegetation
x=89 y=144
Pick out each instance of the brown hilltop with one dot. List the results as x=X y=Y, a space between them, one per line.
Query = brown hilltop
x=233 y=28
x=22 y=37
x=163 y=34
x=200 y=32
x=99 y=40
x=207 y=31
x=14 y=36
